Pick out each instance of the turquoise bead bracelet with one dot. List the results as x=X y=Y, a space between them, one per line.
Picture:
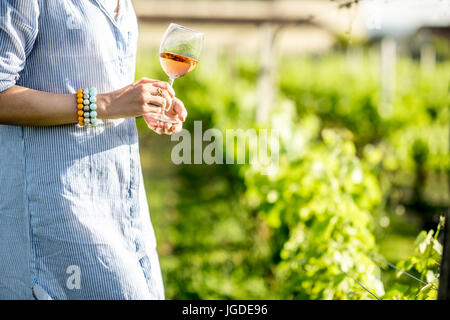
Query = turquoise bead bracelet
x=87 y=107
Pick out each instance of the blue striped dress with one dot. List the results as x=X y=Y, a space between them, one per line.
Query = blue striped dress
x=74 y=218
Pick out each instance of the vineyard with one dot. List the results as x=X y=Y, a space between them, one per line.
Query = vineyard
x=354 y=209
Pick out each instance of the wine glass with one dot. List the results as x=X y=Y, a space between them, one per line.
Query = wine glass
x=179 y=53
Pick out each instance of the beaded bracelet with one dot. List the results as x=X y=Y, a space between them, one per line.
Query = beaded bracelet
x=86 y=107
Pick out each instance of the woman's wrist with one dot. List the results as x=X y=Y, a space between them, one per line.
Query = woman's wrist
x=103 y=101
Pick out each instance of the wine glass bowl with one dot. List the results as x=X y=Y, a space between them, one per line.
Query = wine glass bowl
x=180 y=50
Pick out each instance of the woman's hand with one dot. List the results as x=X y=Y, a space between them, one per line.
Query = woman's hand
x=136 y=99
x=177 y=113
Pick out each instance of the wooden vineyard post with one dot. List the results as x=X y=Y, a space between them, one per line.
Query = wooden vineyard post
x=266 y=85
x=427 y=57
x=388 y=56
x=444 y=280
x=444 y=276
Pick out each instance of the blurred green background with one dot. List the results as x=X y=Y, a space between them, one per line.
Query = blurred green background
x=356 y=184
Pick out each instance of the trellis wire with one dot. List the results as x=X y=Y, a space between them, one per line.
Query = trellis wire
x=390 y=265
x=403 y=271
x=359 y=283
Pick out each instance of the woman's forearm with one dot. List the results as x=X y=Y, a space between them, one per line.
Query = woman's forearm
x=28 y=107
x=24 y=106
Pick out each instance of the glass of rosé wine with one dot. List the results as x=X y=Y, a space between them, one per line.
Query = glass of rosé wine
x=179 y=53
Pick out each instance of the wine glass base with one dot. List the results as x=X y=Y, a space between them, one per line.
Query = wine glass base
x=162 y=117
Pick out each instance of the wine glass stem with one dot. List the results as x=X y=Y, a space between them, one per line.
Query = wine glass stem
x=171 y=80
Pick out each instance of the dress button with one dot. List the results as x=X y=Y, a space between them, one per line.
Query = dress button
x=133 y=211
x=137 y=245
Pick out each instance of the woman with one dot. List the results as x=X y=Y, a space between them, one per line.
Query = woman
x=74 y=220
